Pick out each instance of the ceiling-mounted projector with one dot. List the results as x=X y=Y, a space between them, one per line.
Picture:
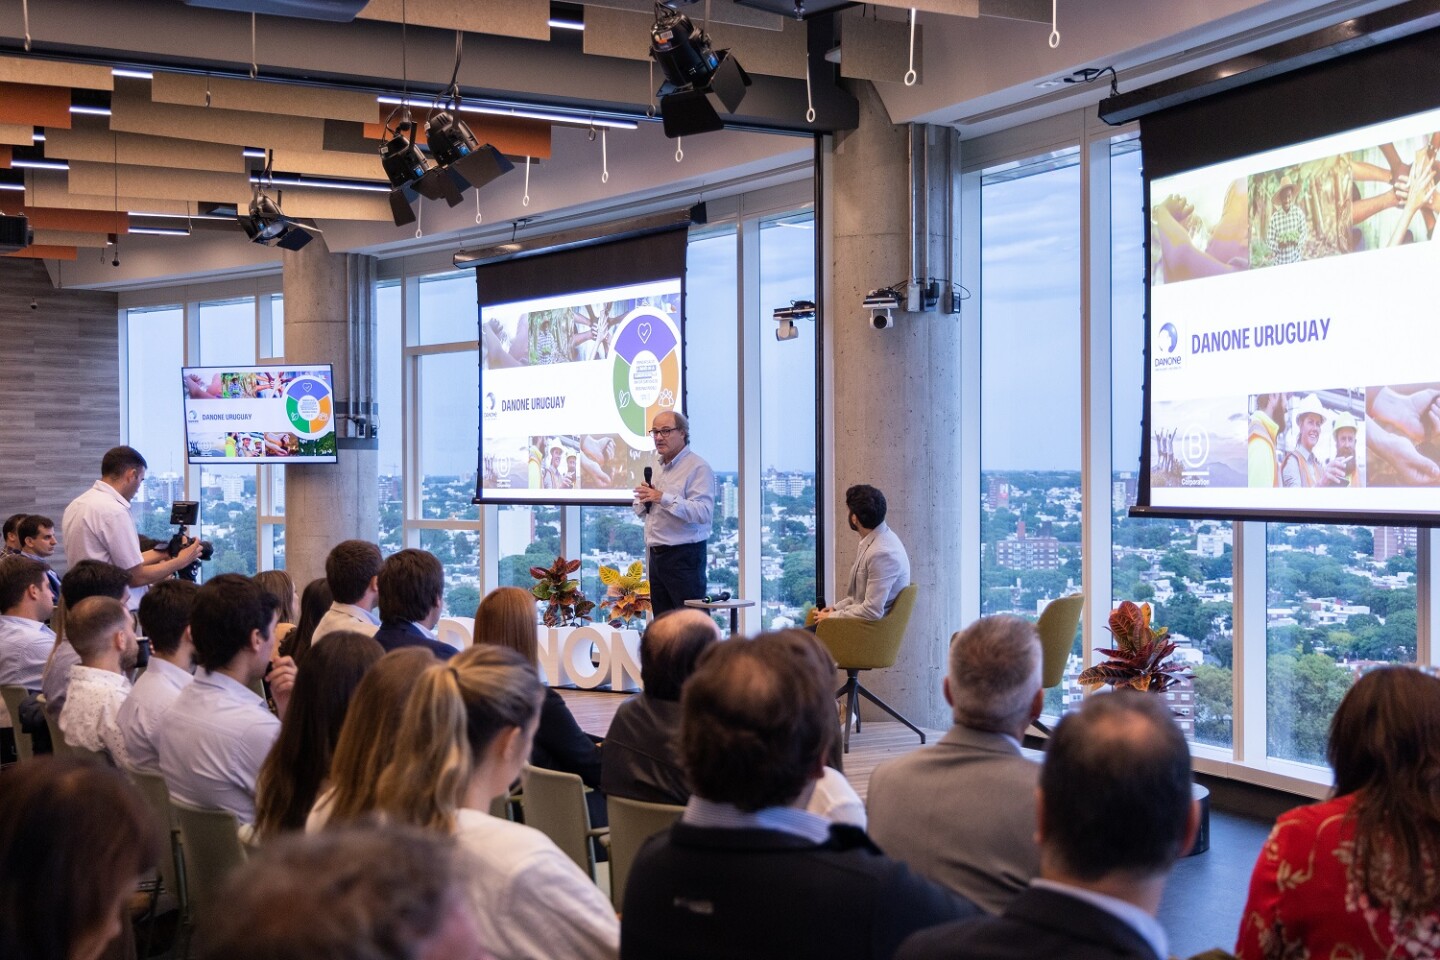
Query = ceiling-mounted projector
x=340 y=11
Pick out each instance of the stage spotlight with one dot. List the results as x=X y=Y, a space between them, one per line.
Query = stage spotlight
x=469 y=162
x=268 y=226
x=458 y=162
x=405 y=165
x=698 y=79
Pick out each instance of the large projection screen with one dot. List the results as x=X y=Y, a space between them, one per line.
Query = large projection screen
x=572 y=377
x=1293 y=359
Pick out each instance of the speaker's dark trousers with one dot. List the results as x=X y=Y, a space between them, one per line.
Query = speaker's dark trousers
x=677 y=574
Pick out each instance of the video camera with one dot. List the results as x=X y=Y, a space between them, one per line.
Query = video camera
x=185 y=514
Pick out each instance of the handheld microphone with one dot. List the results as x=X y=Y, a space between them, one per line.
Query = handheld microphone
x=649 y=472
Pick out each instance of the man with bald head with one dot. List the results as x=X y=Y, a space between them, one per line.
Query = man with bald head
x=641 y=759
x=962 y=812
x=1115 y=811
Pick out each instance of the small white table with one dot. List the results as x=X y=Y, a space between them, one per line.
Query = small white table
x=732 y=605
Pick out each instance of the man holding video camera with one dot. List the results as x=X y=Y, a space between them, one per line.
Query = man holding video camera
x=97 y=526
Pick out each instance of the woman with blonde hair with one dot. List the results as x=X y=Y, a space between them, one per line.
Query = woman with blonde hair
x=506 y=618
x=368 y=738
x=279 y=585
x=464 y=739
x=1359 y=874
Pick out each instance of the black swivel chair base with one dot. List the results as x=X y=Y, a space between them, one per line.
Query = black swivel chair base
x=849 y=691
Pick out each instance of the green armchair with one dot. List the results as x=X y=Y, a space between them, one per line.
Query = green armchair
x=1056 y=626
x=867 y=645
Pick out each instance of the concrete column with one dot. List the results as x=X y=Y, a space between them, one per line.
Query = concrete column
x=328 y=319
x=895 y=396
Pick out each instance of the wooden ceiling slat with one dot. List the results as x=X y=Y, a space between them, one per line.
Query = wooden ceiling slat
x=6 y=154
x=732 y=13
x=133 y=112
x=260 y=96
x=775 y=53
x=71 y=238
x=512 y=136
x=37 y=252
x=98 y=145
x=878 y=50
x=330 y=163
x=79 y=221
x=17 y=134
x=155 y=182
x=525 y=19
x=51 y=188
x=54 y=73
x=34 y=105
x=327 y=204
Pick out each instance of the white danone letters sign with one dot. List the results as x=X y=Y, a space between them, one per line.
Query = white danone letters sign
x=587 y=656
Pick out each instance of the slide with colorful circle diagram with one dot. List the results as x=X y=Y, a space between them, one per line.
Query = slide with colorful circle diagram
x=260 y=414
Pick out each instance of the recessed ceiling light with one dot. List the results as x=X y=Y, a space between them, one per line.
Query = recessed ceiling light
x=161 y=231
x=20 y=164
x=13 y=186
x=566 y=24
x=90 y=111
x=318 y=184
x=580 y=120
x=133 y=74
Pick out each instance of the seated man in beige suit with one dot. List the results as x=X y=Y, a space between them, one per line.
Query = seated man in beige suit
x=962 y=812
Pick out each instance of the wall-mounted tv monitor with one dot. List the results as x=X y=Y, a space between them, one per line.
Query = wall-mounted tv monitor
x=251 y=415
x=570 y=385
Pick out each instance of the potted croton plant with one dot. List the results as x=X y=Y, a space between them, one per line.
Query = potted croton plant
x=1140 y=659
x=566 y=605
x=627 y=595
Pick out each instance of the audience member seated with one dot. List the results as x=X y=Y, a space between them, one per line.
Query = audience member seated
x=295 y=772
x=87 y=578
x=506 y=618
x=1115 y=813
x=12 y=534
x=102 y=632
x=465 y=737
x=165 y=622
x=361 y=893
x=412 y=594
x=315 y=602
x=962 y=812
x=641 y=759
x=25 y=641
x=217 y=733
x=37 y=541
x=368 y=737
x=748 y=872
x=279 y=585
x=1356 y=876
x=351 y=570
x=75 y=836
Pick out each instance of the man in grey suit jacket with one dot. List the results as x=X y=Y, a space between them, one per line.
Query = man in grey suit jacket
x=962 y=812
x=881 y=569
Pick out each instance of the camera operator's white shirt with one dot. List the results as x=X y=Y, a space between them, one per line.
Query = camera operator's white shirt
x=97 y=526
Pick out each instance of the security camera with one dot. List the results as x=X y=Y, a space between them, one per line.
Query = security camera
x=34 y=304
x=881 y=304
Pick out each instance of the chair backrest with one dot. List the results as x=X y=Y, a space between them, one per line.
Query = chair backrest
x=157 y=796
x=1056 y=627
x=869 y=644
x=211 y=841
x=57 y=739
x=13 y=695
x=554 y=804
x=632 y=822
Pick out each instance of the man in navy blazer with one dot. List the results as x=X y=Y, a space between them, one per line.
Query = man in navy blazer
x=412 y=588
x=1115 y=813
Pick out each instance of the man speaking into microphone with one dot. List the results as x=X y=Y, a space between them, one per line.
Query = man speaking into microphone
x=677 y=502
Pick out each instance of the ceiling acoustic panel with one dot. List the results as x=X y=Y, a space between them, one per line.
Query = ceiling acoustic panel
x=324 y=204
x=525 y=19
x=132 y=111
x=879 y=50
x=618 y=33
x=71 y=238
x=6 y=154
x=45 y=188
x=512 y=136
x=77 y=221
x=34 y=105
x=714 y=11
x=330 y=163
x=156 y=183
x=17 y=134
x=37 y=252
x=53 y=73
x=96 y=144
x=260 y=96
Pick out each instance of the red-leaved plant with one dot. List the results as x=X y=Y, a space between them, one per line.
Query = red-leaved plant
x=1139 y=659
x=567 y=606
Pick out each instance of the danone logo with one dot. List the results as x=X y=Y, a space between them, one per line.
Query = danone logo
x=1167 y=341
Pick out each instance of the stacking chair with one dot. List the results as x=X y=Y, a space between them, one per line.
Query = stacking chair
x=24 y=746
x=1056 y=626
x=554 y=804
x=57 y=739
x=210 y=840
x=157 y=795
x=867 y=645
x=632 y=822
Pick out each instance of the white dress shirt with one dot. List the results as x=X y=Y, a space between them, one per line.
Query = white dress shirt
x=687 y=502
x=346 y=616
x=881 y=570
x=834 y=799
x=531 y=899
x=714 y=815
x=141 y=715
x=89 y=719
x=97 y=526
x=213 y=742
x=25 y=645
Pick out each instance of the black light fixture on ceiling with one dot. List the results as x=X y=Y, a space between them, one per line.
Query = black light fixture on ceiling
x=267 y=224
x=457 y=161
x=697 y=77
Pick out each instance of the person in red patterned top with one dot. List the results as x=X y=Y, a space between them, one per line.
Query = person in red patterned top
x=1358 y=876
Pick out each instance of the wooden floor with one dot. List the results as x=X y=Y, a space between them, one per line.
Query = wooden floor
x=877 y=741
